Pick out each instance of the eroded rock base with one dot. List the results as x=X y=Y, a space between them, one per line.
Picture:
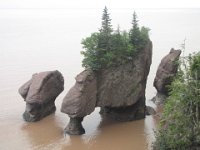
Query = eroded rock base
x=35 y=112
x=75 y=126
x=129 y=113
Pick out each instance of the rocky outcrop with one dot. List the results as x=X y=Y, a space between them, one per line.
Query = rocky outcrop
x=119 y=91
x=80 y=101
x=166 y=71
x=39 y=93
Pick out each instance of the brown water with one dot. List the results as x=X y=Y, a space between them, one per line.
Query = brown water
x=47 y=134
x=41 y=40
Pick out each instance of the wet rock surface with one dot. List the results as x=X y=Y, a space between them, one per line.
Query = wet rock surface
x=35 y=112
x=74 y=126
x=39 y=93
x=128 y=113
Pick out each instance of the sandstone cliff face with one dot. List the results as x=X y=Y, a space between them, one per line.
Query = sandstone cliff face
x=40 y=92
x=167 y=69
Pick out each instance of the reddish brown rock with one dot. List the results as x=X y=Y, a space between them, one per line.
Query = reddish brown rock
x=81 y=98
x=80 y=101
x=40 y=93
x=124 y=85
x=121 y=90
x=166 y=71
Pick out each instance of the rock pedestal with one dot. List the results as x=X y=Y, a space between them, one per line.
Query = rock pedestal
x=80 y=101
x=75 y=127
x=39 y=93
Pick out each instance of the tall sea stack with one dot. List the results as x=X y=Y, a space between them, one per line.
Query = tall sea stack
x=119 y=91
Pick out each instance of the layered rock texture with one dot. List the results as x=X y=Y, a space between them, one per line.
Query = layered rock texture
x=119 y=91
x=39 y=93
x=167 y=69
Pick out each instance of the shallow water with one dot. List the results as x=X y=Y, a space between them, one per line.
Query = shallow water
x=48 y=133
x=38 y=40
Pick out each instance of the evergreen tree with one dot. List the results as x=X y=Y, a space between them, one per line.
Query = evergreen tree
x=106 y=48
x=135 y=31
x=105 y=31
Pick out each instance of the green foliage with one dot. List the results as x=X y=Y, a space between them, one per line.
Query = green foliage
x=106 y=27
x=92 y=59
x=108 y=48
x=138 y=37
x=180 y=124
x=135 y=31
x=105 y=31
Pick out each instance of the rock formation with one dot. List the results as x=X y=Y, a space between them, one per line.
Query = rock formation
x=80 y=101
x=167 y=69
x=39 y=93
x=119 y=91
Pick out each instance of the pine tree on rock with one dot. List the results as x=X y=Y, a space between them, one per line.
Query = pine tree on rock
x=107 y=48
x=135 y=31
x=105 y=31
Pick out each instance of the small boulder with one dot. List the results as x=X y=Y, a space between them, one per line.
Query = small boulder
x=39 y=93
x=159 y=99
x=167 y=69
x=150 y=110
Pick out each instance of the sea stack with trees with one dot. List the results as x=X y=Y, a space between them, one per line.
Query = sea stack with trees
x=117 y=64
